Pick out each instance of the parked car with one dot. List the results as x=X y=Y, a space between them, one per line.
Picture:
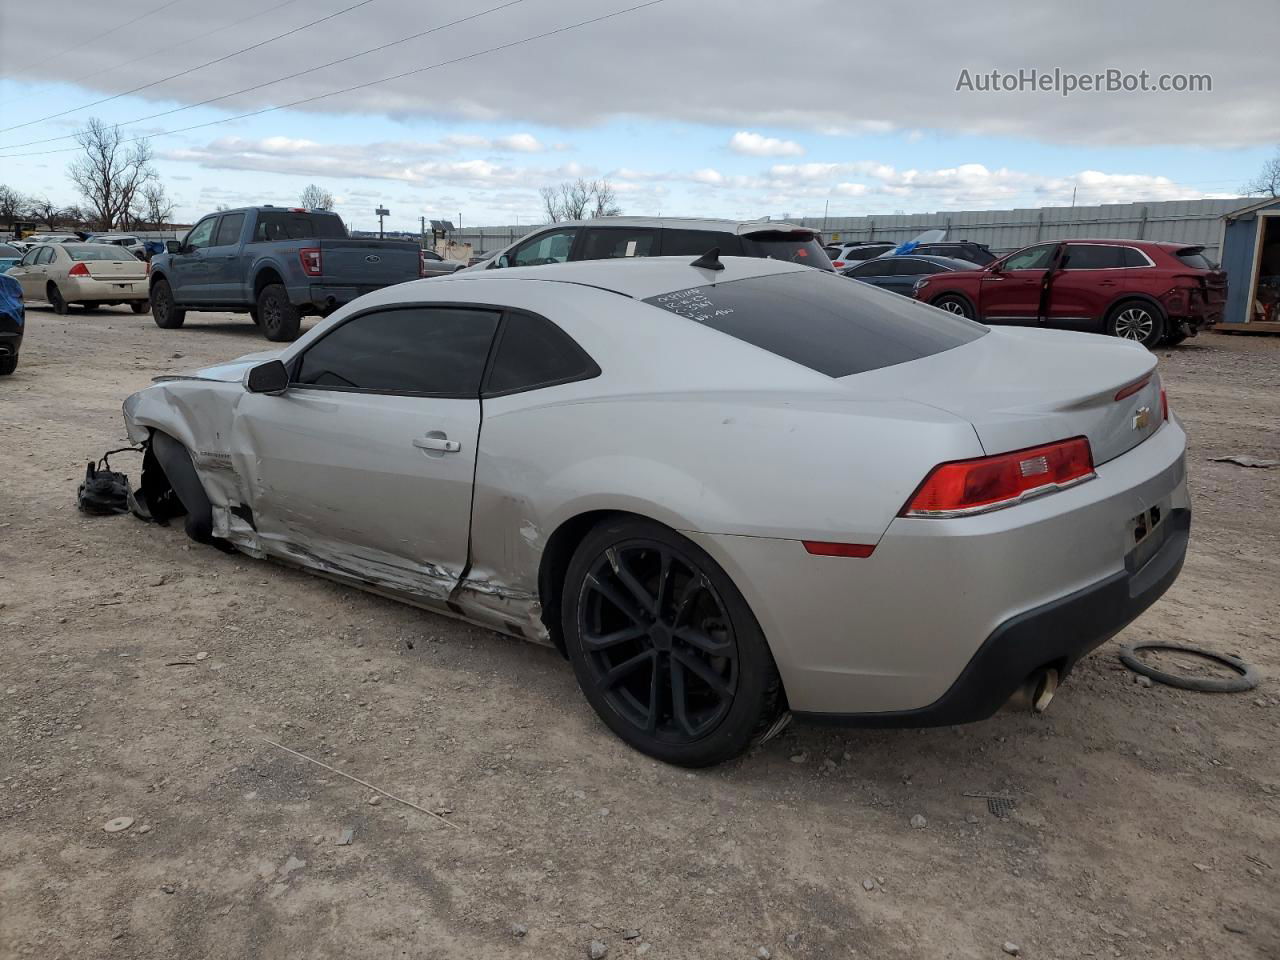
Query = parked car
x=277 y=264
x=434 y=265
x=1136 y=289
x=607 y=238
x=90 y=275
x=12 y=323
x=846 y=255
x=720 y=490
x=978 y=254
x=900 y=273
x=38 y=238
x=481 y=258
x=124 y=241
x=10 y=255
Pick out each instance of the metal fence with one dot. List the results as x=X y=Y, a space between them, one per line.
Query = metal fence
x=1180 y=221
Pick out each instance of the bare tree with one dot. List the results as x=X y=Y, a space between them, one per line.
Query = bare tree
x=550 y=203
x=156 y=208
x=316 y=198
x=579 y=199
x=45 y=210
x=13 y=205
x=110 y=173
x=606 y=201
x=1266 y=183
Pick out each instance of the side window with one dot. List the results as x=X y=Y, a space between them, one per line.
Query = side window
x=909 y=267
x=1033 y=258
x=202 y=233
x=1093 y=256
x=429 y=350
x=30 y=257
x=229 y=230
x=47 y=255
x=534 y=352
x=694 y=243
x=870 y=268
x=1133 y=257
x=614 y=242
x=551 y=247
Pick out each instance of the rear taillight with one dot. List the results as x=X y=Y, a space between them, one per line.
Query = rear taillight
x=838 y=263
x=422 y=265
x=1164 y=406
x=79 y=270
x=146 y=270
x=312 y=263
x=967 y=487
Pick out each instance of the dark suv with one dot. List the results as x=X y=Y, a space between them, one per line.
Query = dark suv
x=616 y=237
x=1135 y=289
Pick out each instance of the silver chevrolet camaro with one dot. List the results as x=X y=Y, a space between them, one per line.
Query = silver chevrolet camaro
x=728 y=491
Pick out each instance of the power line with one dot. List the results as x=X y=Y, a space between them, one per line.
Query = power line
x=292 y=76
x=370 y=83
x=168 y=49
x=96 y=37
x=183 y=73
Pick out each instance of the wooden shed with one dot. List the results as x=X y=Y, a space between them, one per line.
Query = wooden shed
x=1251 y=257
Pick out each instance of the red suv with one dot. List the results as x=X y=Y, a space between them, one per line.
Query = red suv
x=1136 y=289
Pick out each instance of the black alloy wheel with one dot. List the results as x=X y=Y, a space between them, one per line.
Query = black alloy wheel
x=665 y=647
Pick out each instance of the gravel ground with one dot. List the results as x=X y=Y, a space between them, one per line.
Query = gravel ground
x=141 y=676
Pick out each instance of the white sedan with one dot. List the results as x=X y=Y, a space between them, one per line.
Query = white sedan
x=725 y=489
x=88 y=274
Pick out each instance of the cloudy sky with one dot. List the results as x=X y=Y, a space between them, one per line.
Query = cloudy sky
x=732 y=108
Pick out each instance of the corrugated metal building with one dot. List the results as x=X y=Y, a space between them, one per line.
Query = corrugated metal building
x=1251 y=257
x=1182 y=221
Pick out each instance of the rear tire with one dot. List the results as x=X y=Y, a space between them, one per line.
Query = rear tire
x=664 y=646
x=55 y=298
x=139 y=306
x=166 y=315
x=954 y=304
x=8 y=365
x=279 y=319
x=1137 y=320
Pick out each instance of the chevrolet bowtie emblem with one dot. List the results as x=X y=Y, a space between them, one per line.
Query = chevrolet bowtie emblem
x=1142 y=419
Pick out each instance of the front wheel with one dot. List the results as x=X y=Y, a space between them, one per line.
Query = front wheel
x=664 y=646
x=953 y=304
x=1137 y=320
x=8 y=365
x=163 y=310
x=278 y=318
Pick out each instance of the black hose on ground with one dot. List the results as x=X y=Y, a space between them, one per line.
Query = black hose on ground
x=1247 y=679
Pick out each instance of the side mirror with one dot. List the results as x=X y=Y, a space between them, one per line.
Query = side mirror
x=996 y=267
x=271 y=377
x=502 y=261
x=172 y=246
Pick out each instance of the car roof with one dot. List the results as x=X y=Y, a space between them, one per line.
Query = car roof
x=740 y=227
x=954 y=263
x=638 y=277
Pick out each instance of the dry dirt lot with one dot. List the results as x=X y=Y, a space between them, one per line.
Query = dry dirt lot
x=141 y=675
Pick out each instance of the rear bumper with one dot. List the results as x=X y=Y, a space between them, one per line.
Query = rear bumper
x=893 y=633
x=78 y=289
x=322 y=294
x=1056 y=634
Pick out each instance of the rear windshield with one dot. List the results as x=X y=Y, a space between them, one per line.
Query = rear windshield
x=1194 y=257
x=796 y=248
x=96 y=251
x=290 y=225
x=825 y=322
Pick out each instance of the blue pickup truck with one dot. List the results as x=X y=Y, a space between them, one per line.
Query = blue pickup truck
x=278 y=264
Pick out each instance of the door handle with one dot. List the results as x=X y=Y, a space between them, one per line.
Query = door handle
x=440 y=444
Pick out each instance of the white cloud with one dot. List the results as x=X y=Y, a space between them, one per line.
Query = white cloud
x=756 y=145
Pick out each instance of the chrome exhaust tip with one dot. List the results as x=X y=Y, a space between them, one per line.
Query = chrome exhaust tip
x=1036 y=692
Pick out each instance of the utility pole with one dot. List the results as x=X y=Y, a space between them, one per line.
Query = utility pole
x=381 y=212
x=1073 y=196
x=423 y=229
